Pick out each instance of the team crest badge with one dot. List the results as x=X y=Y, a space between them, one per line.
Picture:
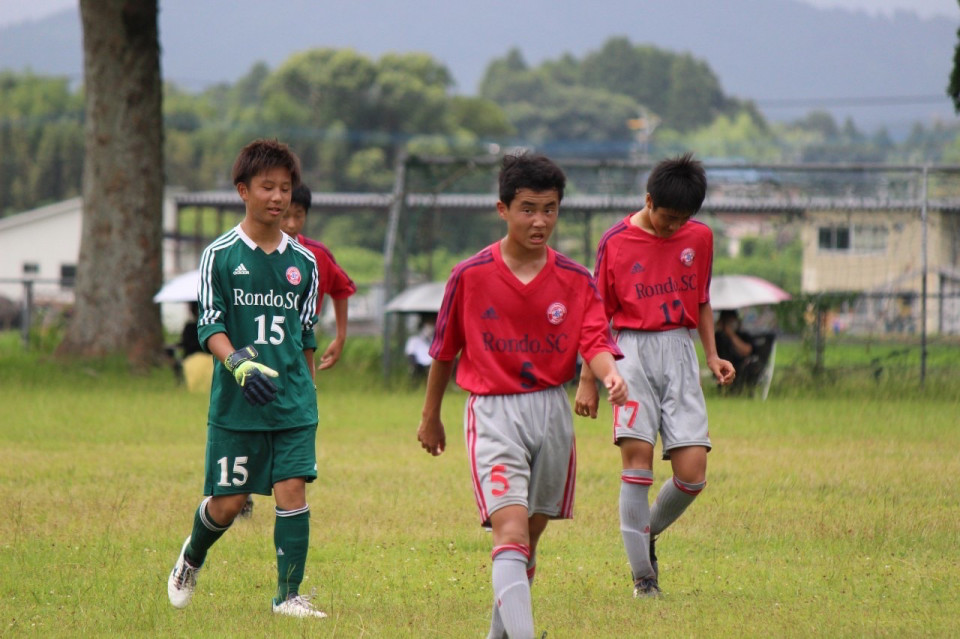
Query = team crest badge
x=293 y=275
x=556 y=313
x=686 y=256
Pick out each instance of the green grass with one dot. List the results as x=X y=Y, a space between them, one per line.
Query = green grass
x=822 y=517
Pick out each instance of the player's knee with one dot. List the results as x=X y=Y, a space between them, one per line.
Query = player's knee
x=225 y=508
x=636 y=454
x=510 y=526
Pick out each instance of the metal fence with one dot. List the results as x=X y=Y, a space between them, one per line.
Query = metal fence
x=870 y=252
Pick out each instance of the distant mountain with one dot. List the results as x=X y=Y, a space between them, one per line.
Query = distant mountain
x=788 y=56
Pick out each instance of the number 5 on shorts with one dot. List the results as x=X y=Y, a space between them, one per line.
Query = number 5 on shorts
x=240 y=473
x=497 y=477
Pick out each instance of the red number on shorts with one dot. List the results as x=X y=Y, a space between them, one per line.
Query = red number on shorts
x=629 y=411
x=497 y=477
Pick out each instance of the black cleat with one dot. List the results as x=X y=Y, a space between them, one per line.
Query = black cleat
x=646 y=587
x=653 y=557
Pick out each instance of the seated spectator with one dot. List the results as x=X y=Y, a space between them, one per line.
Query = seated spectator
x=189 y=339
x=740 y=349
x=733 y=344
x=196 y=366
x=417 y=348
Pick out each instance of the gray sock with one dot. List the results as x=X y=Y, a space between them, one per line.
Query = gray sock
x=635 y=519
x=511 y=591
x=672 y=500
x=497 y=631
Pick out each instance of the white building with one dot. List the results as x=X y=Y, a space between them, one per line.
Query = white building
x=43 y=246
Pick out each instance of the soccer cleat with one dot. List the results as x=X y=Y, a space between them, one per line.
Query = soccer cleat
x=247 y=511
x=653 y=557
x=646 y=587
x=182 y=580
x=297 y=606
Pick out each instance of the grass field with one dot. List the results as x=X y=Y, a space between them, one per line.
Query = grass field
x=822 y=517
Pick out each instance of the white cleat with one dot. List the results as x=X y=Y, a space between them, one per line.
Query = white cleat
x=297 y=606
x=182 y=581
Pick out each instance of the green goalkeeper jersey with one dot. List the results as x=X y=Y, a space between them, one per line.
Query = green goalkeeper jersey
x=269 y=301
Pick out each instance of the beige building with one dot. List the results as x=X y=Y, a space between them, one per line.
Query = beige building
x=880 y=252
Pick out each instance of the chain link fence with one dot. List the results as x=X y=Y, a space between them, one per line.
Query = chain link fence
x=869 y=253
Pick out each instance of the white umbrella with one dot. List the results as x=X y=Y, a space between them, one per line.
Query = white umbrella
x=422 y=298
x=738 y=291
x=182 y=288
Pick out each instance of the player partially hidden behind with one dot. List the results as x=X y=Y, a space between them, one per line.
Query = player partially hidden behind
x=653 y=270
x=258 y=296
x=334 y=281
x=517 y=313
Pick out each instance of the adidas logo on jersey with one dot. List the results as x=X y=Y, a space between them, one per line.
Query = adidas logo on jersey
x=637 y=268
x=490 y=313
x=279 y=552
x=241 y=270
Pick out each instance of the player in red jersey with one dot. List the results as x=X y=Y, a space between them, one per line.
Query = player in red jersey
x=517 y=313
x=653 y=270
x=334 y=281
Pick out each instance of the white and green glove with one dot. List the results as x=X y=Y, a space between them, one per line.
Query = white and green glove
x=253 y=378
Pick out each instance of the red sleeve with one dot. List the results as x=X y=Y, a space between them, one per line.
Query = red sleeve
x=603 y=271
x=705 y=290
x=595 y=335
x=448 y=337
x=334 y=281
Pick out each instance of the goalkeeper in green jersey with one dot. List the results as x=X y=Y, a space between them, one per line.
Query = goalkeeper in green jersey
x=258 y=306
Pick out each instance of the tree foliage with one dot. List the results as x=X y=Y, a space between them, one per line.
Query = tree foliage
x=953 y=87
x=588 y=105
x=347 y=114
x=41 y=140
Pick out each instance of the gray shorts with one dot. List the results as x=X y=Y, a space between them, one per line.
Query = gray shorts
x=521 y=451
x=663 y=390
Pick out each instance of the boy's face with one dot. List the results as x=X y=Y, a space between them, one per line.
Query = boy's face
x=293 y=220
x=666 y=222
x=267 y=196
x=530 y=217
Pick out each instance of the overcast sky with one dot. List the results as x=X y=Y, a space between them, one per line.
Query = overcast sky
x=12 y=11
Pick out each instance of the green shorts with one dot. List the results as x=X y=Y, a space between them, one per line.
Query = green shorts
x=244 y=461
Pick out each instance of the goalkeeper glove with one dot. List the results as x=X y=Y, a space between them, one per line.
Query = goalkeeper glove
x=253 y=378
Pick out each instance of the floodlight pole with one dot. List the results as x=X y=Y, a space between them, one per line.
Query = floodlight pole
x=923 y=285
x=389 y=248
x=25 y=319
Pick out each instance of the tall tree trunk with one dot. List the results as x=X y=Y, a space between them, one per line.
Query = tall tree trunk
x=120 y=268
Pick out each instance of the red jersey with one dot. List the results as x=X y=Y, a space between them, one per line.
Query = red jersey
x=518 y=338
x=649 y=283
x=334 y=281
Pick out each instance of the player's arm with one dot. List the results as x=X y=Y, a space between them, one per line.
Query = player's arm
x=721 y=368
x=332 y=353
x=220 y=346
x=430 y=433
x=308 y=354
x=605 y=369
x=587 y=399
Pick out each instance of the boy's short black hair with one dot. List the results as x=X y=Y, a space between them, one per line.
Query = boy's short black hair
x=728 y=315
x=529 y=171
x=302 y=196
x=262 y=155
x=678 y=184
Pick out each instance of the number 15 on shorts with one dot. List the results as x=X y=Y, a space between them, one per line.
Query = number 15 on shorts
x=239 y=475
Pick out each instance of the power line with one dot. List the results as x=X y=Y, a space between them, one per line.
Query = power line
x=884 y=100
